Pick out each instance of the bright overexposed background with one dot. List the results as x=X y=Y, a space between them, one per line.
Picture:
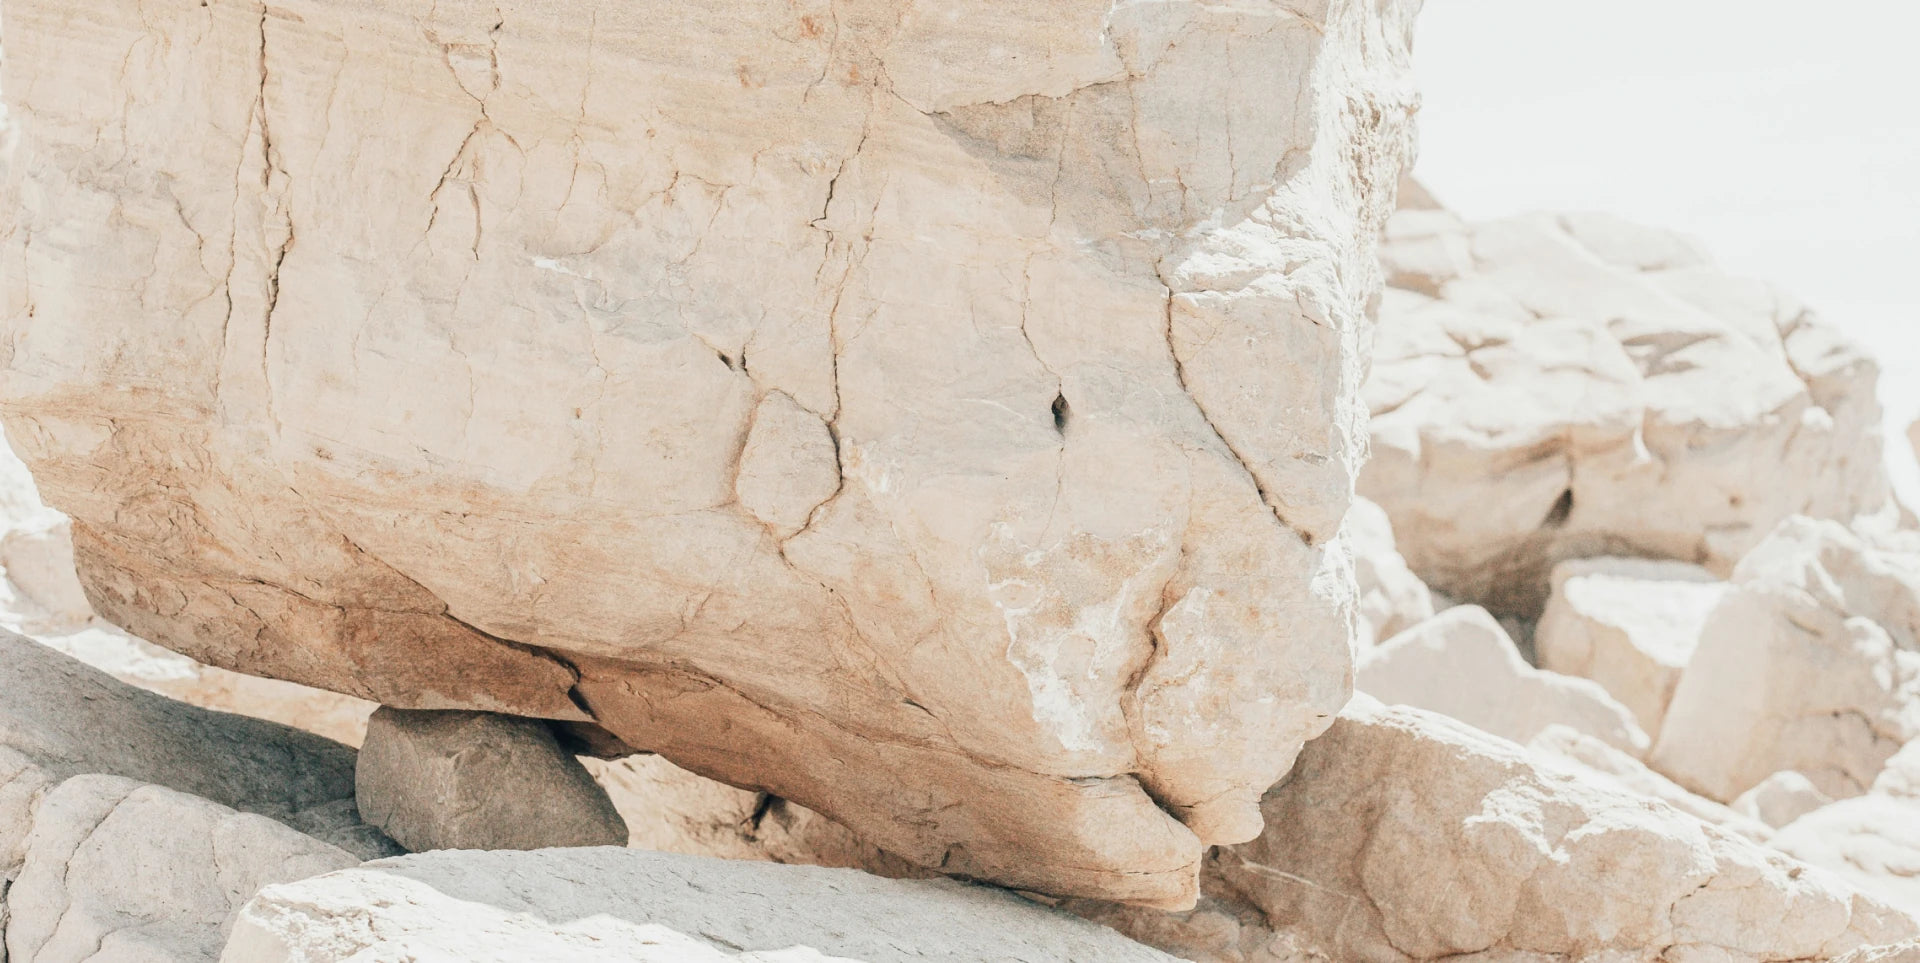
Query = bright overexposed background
x=1784 y=134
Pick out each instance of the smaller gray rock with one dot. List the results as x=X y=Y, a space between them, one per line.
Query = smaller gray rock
x=476 y=780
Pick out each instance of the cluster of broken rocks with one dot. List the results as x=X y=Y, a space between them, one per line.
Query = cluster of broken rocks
x=1568 y=744
x=881 y=480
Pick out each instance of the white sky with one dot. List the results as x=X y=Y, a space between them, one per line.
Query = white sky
x=1785 y=135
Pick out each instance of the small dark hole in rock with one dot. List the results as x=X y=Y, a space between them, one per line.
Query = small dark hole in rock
x=1562 y=509
x=1060 y=413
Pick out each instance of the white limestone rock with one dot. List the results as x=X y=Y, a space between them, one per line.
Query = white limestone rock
x=1901 y=776
x=1402 y=835
x=1907 y=952
x=1461 y=663
x=1628 y=624
x=1553 y=387
x=1781 y=798
x=1565 y=746
x=1811 y=663
x=1872 y=841
x=474 y=780
x=416 y=350
x=1392 y=598
x=628 y=906
x=115 y=871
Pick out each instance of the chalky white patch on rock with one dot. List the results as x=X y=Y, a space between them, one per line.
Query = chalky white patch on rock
x=1629 y=624
x=1872 y=841
x=1553 y=387
x=1811 y=664
x=608 y=905
x=455 y=357
x=1461 y=663
x=1781 y=798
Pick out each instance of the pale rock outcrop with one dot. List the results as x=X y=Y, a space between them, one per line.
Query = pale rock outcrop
x=1552 y=387
x=474 y=780
x=628 y=906
x=1810 y=663
x=1564 y=746
x=1461 y=663
x=1628 y=624
x=465 y=357
x=1901 y=776
x=1907 y=952
x=668 y=809
x=116 y=871
x=1401 y=835
x=1872 y=841
x=1781 y=798
x=1392 y=598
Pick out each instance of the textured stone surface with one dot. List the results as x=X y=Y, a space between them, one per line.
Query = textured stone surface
x=609 y=905
x=1402 y=835
x=1461 y=663
x=474 y=780
x=1781 y=798
x=1628 y=624
x=1872 y=841
x=1907 y=952
x=1392 y=598
x=1554 y=387
x=456 y=356
x=115 y=871
x=1811 y=663
x=1561 y=745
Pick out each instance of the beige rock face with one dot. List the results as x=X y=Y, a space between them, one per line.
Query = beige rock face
x=1872 y=841
x=1404 y=836
x=1392 y=598
x=1629 y=624
x=625 y=906
x=1596 y=760
x=938 y=414
x=1781 y=798
x=1461 y=663
x=1811 y=663
x=473 y=780
x=1555 y=387
x=116 y=871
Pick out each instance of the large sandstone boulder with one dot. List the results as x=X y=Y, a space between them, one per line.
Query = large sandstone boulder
x=940 y=414
x=1629 y=624
x=1401 y=835
x=474 y=780
x=115 y=871
x=1810 y=664
x=1552 y=387
x=1462 y=664
x=627 y=906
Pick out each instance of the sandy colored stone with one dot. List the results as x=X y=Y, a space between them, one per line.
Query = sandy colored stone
x=1402 y=835
x=1461 y=663
x=1901 y=776
x=1629 y=624
x=1781 y=798
x=115 y=871
x=1811 y=663
x=1596 y=760
x=1908 y=952
x=475 y=780
x=1872 y=841
x=416 y=351
x=1392 y=598
x=608 y=905
x=1549 y=387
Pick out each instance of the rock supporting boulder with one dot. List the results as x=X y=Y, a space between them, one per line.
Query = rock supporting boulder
x=937 y=413
x=1554 y=387
x=474 y=780
x=627 y=906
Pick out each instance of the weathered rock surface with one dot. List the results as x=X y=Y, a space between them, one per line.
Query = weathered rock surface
x=1392 y=598
x=474 y=780
x=1628 y=624
x=1781 y=798
x=1555 y=387
x=1461 y=663
x=1811 y=664
x=1908 y=952
x=611 y=905
x=1401 y=835
x=460 y=357
x=1872 y=841
x=116 y=871
x=1596 y=760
